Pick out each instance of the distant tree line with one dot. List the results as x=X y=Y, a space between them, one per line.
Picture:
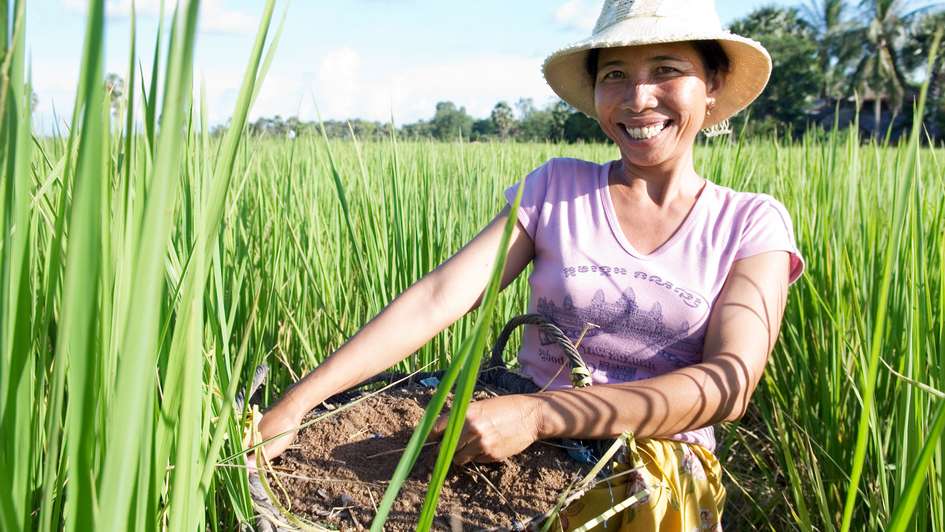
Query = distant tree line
x=836 y=63
x=555 y=122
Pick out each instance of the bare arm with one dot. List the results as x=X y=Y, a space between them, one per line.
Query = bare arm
x=415 y=316
x=741 y=333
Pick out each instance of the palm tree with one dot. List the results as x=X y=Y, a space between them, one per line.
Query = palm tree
x=879 y=68
x=503 y=118
x=829 y=22
x=915 y=56
x=115 y=89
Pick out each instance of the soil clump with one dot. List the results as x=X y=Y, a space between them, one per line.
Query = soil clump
x=339 y=468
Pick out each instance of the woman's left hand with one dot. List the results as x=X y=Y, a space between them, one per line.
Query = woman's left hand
x=495 y=428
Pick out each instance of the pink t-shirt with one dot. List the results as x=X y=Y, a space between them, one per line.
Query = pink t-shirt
x=652 y=310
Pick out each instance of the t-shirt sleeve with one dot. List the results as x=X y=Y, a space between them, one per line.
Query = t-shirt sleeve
x=769 y=228
x=533 y=197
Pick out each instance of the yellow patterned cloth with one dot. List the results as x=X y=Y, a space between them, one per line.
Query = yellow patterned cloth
x=678 y=487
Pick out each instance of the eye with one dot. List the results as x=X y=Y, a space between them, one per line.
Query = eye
x=664 y=69
x=614 y=74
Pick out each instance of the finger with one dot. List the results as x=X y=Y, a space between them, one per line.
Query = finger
x=249 y=434
x=439 y=427
x=467 y=452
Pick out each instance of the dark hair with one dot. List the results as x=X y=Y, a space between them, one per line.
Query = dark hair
x=713 y=56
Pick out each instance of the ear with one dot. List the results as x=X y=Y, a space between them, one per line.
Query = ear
x=713 y=86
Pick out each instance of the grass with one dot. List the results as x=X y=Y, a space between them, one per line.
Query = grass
x=146 y=272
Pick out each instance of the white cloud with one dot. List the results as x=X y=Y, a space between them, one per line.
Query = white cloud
x=347 y=85
x=55 y=81
x=475 y=82
x=122 y=8
x=76 y=6
x=337 y=88
x=578 y=14
x=344 y=82
x=215 y=17
x=59 y=76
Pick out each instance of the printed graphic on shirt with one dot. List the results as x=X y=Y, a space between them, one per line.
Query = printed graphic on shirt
x=650 y=327
x=690 y=298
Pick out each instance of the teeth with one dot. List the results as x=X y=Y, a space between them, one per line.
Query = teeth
x=643 y=133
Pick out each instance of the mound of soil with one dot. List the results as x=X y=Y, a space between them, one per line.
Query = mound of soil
x=338 y=470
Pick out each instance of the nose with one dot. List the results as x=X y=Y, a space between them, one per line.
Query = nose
x=639 y=96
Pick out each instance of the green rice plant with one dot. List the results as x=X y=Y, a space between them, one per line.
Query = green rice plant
x=469 y=360
x=110 y=413
x=901 y=202
x=838 y=192
x=128 y=441
x=903 y=512
x=147 y=266
x=17 y=389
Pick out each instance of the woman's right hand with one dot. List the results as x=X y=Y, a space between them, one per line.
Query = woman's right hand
x=275 y=421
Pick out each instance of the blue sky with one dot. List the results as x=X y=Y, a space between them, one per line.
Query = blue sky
x=354 y=58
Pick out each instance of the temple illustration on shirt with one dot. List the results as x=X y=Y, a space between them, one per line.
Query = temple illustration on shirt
x=623 y=319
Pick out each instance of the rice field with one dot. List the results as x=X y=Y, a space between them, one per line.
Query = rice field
x=146 y=271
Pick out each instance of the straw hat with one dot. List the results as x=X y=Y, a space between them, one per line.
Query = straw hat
x=636 y=22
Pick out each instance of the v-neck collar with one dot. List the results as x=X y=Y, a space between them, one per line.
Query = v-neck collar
x=607 y=201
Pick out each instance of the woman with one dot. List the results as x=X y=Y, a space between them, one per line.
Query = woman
x=685 y=279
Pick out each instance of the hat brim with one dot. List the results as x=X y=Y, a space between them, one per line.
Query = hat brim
x=750 y=63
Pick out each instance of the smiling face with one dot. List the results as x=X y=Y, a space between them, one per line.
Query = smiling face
x=651 y=101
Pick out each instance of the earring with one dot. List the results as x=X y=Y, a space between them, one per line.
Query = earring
x=722 y=128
